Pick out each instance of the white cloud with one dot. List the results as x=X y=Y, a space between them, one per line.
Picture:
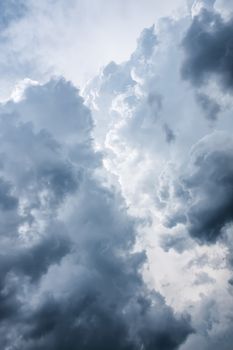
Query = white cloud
x=73 y=38
x=132 y=102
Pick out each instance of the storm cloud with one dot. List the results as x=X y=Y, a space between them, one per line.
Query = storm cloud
x=212 y=186
x=207 y=184
x=116 y=201
x=208 y=47
x=69 y=277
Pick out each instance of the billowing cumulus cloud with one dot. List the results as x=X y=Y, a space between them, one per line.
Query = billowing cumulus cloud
x=69 y=276
x=116 y=202
x=207 y=189
x=209 y=49
x=156 y=132
x=210 y=184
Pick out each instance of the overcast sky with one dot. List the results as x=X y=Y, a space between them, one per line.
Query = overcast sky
x=116 y=175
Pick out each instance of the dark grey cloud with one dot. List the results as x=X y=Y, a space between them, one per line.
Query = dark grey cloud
x=208 y=181
x=68 y=276
x=7 y=200
x=89 y=324
x=212 y=184
x=169 y=134
x=210 y=107
x=208 y=46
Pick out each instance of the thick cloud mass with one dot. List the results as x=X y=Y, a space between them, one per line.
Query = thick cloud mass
x=116 y=213
x=210 y=107
x=68 y=276
x=207 y=194
x=159 y=140
x=209 y=49
x=211 y=186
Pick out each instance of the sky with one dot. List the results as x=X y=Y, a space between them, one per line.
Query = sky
x=116 y=175
x=73 y=38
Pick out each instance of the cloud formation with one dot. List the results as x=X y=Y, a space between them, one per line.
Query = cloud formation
x=207 y=186
x=69 y=276
x=211 y=185
x=208 y=46
x=210 y=107
x=158 y=137
x=116 y=210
